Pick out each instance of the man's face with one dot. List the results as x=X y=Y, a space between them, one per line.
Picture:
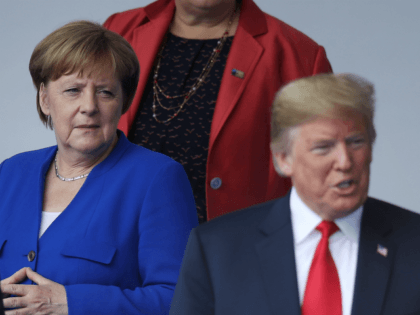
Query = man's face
x=329 y=164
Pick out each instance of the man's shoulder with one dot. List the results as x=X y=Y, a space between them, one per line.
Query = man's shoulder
x=241 y=221
x=391 y=210
x=400 y=220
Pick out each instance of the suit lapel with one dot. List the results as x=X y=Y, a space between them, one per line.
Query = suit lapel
x=275 y=251
x=374 y=265
x=244 y=55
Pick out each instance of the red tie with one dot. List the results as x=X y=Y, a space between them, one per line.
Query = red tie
x=322 y=293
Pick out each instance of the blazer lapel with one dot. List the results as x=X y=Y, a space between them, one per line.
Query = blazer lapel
x=244 y=55
x=275 y=251
x=374 y=262
x=151 y=32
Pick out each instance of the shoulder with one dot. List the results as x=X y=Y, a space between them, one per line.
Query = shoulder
x=259 y=23
x=27 y=160
x=125 y=22
x=140 y=164
x=283 y=30
x=401 y=221
x=237 y=224
x=139 y=155
x=390 y=210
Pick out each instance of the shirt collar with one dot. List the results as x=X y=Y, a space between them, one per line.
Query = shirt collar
x=304 y=220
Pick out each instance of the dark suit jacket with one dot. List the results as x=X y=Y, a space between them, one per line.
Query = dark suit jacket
x=244 y=263
x=270 y=53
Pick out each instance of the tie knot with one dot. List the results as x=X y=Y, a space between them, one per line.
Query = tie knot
x=327 y=228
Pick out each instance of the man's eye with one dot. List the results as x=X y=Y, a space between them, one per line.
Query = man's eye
x=321 y=149
x=358 y=142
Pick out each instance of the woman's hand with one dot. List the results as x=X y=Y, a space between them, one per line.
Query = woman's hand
x=16 y=278
x=47 y=297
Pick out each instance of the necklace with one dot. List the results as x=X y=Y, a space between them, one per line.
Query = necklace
x=64 y=179
x=200 y=80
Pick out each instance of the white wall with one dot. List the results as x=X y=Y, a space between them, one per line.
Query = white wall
x=378 y=39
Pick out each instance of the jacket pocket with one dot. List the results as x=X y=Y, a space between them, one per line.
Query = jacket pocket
x=2 y=242
x=90 y=250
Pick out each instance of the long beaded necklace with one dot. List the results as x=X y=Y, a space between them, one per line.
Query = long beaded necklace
x=200 y=80
x=65 y=179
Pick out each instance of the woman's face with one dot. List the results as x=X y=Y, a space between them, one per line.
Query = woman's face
x=84 y=109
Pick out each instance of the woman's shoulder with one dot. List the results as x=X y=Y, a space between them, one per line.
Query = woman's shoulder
x=259 y=22
x=25 y=166
x=141 y=154
x=29 y=157
x=124 y=22
x=280 y=28
x=135 y=158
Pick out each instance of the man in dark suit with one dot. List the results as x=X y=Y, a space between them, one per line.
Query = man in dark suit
x=324 y=249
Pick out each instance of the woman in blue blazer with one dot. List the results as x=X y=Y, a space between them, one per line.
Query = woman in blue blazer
x=101 y=223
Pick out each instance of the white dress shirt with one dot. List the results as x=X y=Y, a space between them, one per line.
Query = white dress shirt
x=47 y=219
x=344 y=246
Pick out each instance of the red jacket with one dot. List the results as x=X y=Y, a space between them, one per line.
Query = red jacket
x=270 y=53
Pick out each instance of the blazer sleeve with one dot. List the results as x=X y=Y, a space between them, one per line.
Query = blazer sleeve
x=193 y=292
x=166 y=219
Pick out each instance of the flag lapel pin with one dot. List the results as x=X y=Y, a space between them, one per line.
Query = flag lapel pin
x=237 y=73
x=382 y=250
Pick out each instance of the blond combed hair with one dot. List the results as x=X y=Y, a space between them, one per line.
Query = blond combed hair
x=82 y=45
x=323 y=95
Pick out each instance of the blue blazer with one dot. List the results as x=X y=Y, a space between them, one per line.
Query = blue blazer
x=244 y=263
x=117 y=248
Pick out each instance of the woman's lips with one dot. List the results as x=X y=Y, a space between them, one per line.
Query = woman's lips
x=87 y=126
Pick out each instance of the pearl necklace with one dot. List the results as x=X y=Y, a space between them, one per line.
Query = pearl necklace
x=200 y=80
x=65 y=179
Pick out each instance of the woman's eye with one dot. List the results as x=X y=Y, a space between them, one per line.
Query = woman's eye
x=72 y=91
x=106 y=93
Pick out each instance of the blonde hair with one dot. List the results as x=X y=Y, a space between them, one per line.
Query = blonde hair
x=323 y=95
x=78 y=46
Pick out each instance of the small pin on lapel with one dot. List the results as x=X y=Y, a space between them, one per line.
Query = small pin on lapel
x=382 y=250
x=237 y=73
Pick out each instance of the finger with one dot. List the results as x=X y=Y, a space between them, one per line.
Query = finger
x=15 y=289
x=14 y=302
x=36 y=277
x=17 y=277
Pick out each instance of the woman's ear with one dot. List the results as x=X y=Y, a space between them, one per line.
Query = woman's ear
x=284 y=162
x=43 y=100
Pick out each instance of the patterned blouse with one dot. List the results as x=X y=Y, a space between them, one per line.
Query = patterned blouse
x=186 y=137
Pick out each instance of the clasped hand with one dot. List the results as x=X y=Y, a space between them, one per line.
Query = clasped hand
x=47 y=297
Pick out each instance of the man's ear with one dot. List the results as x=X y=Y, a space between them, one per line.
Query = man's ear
x=284 y=162
x=43 y=100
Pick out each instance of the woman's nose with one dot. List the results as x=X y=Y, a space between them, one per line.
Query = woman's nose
x=89 y=103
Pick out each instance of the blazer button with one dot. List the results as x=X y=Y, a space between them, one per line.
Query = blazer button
x=215 y=183
x=31 y=255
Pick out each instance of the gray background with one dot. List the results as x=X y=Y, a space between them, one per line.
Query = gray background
x=378 y=39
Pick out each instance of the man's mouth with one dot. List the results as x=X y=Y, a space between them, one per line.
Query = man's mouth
x=345 y=183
